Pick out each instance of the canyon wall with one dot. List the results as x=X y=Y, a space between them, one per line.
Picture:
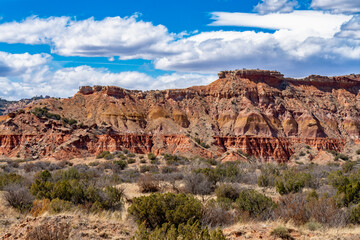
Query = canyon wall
x=261 y=113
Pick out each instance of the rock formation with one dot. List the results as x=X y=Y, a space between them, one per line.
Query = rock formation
x=260 y=113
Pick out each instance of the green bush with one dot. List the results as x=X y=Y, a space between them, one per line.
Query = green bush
x=269 y=173
x=342 y=157
x=292 y=182
x=131 y=161
x=255 y=203
x=151 y=156
x=228 y=172
x=355 y=214
x=183 y=231
x=44 y=112
x=227 y=191
x=121 y=164
x=42 y=186
x=57 y=206
x=348 y=166
x=281 y=232
x=103 y=154
x=174 y=159
x=358 y=152
x=157 y=209
x=131 y=155
x=11 y=178
x=69 y=121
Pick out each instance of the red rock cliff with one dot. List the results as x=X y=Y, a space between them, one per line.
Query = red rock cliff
x=259 y=112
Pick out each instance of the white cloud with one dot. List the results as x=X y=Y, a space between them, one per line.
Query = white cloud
x=112 y=36
x=337 y=5
x=307 y=23
x=24 y=65
x=38 y=79
x=303 y=43
x=351 y=29
x=283 y=6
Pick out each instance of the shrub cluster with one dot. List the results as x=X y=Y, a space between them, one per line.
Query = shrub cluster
x=158 y=209
x=44 y=112
x=74 y=188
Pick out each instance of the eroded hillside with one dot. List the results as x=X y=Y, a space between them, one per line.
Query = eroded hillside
x=260 y=113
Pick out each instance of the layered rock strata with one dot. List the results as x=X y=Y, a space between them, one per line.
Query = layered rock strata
x=261 y=113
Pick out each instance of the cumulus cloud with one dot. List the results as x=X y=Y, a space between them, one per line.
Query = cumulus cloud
x=351 y=29
x=350 y=6
x=112 y=36
x=21 y=64
x=303 y=42
x=269 y=6
x=38 y=79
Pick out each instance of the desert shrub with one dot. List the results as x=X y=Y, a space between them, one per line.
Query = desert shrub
x=42 y=186
x=337 y=179
x=94 y=164
x=348 y=187
x=131 y=155
x=157 y=209
x=18 y=197
x=175 y=160
x=269 y=173
x=342 y=157
x=355 y=214
x=69 y=121
x=103 y=154
x=125 y=151
x=293 y=207
x=109 y=156
x=198 y=183
x=148 y=184
x=227 y=172
x=313 y=225
x=39 y=207
x=348 y=166
x=257 y=205
x=211 y=161
x=151 y=156
x=167 y=169
x=11 y=178
x=301 y=154
x=120 y=163
x=131 y=161
x=300 y=209
x=216 y=214
x=51 y=231
x=358 y=152
x=281 y=232
x=227 y=191
x=44 y=112
x=142 y=160
x=148 y=168
x=57 y=205
x=113 y=198
x=70 y=174
x=128 y=175
x=292 y=182
x=183 y=231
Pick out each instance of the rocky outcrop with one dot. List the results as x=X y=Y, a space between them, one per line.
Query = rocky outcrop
x=261 y=113
x=272 y=148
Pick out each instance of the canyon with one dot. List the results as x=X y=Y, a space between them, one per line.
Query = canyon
x=254 y=113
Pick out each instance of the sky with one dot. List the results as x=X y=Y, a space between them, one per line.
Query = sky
x=53 y=47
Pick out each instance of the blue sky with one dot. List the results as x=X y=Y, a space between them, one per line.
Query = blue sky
x=53 y=47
